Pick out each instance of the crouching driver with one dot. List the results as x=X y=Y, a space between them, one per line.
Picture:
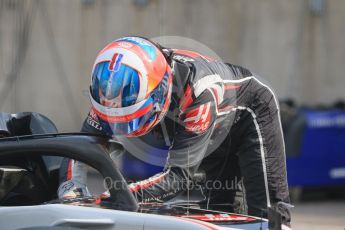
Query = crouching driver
x=143 y=92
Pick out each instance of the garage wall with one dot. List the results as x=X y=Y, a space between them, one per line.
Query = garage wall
x=47 y=48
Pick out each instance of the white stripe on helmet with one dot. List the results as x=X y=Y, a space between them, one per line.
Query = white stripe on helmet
x=117 y=111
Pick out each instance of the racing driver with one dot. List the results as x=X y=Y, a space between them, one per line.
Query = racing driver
x=218 y=118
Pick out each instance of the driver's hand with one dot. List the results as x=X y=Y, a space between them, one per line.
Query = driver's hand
x=72 y=189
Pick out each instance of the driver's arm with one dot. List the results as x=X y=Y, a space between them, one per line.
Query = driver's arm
x=73 y=174
x=191 y=139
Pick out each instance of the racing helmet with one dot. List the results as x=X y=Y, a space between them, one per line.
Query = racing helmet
x=131 y=86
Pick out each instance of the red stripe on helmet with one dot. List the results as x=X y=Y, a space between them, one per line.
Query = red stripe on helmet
x=112 y=62
x=125 y=118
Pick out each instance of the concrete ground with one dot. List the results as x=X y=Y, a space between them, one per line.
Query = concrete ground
x=319 y=215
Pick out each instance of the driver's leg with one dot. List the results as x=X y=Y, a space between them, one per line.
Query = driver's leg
x=262 y=157
x=222 y=176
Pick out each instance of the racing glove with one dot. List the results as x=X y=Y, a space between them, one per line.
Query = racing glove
x=75 y=185
x=72 y=189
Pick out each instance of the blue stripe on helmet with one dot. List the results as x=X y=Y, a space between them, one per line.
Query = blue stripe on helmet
x=118 y=62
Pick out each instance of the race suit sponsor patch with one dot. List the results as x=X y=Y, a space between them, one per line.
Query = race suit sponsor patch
x=93 y=121
x=198 y=120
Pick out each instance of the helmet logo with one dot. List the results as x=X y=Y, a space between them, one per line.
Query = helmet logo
x=125 y=45
x=142 y=43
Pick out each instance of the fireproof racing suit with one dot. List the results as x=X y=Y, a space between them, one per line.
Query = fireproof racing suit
x=222 y=121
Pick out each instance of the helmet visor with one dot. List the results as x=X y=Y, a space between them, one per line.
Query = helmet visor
x=127 y=120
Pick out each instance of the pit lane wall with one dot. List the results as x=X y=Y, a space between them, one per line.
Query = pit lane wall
x=47 y=48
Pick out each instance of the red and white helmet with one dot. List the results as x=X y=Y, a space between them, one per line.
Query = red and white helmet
x=131 y=86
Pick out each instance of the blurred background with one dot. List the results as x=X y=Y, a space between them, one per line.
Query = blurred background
x=47 y=49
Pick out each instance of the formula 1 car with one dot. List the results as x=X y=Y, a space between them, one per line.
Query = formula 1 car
x=29 y=166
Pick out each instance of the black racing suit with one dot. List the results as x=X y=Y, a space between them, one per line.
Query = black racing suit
x=222 y=121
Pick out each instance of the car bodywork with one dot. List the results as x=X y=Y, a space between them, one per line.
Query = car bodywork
x=120 y=211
